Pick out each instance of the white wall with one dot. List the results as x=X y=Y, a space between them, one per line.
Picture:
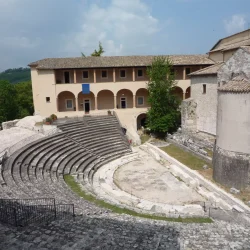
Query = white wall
x=206 y=109
x=233 y=124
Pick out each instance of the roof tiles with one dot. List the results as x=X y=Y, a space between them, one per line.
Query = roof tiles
x=237 y=85
x=116 y=61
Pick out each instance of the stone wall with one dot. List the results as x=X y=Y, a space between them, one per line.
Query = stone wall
x=231 y=158
x=9 y=124
x=238 y=64
x=188 y=115
x=231 y=169
x=206 y=109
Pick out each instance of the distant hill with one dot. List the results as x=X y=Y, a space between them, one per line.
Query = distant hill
x=16 y=75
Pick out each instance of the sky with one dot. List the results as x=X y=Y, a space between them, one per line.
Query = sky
x=31 y=30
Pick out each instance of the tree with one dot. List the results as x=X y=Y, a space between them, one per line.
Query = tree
x=8 y=103
x=98 y=52
x=24 y=98
x=164 y=114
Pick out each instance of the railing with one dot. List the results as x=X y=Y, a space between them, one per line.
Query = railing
x=28 y=211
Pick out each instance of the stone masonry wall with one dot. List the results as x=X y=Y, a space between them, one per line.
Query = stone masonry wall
x=188 y=115
x=238 y=64
x=206 y=110
x=9 y=124
x=231 y=169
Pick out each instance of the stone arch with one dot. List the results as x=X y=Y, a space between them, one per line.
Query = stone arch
x=66 y=101
x=128 y=95
x=105 y=99
x=141 y=96
x=141 y=120
x=82 y=98
x=188 y=93
x=177 y=91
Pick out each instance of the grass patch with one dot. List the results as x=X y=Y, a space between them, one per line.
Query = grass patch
x=75 y=187
x=186 y=158
x=144 y=138
x=209 y=152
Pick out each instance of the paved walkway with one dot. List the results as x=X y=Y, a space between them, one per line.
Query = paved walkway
x=125 y=232
x=147 y=179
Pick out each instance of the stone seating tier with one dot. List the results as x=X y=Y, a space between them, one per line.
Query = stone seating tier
x=37 y=169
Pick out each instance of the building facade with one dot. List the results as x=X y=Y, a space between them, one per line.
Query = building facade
x=115 y=83
x=204 y=84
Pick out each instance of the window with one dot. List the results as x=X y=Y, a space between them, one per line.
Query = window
x=139 y=73
x=122 y=73
x=104 y=74
x=188 y=71
x=47 y=99
x=204 y=89
x=66 y=77
x=69 y=104
x=140 y=100
x=85 y=74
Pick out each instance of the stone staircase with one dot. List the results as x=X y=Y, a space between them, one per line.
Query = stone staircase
x=82 y=147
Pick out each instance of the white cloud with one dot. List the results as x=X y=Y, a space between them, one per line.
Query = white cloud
x=122 y=27
x=235 y=24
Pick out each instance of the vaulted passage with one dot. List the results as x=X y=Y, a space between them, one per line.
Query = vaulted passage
x=66 y=101
x=105 y=99
x=141 y=121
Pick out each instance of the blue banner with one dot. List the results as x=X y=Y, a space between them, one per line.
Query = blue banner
x=85 y=88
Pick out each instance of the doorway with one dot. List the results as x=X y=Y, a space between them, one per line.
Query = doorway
x=87 y=106
x=123 y=102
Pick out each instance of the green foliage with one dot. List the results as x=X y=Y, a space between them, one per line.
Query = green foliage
x=8 y=103
x=164 y=114
x=48 y=119
x=24 y=98
x=16 y=75
x=190 y=160
x=53 y=117
x=16 y=101
x=98 y=52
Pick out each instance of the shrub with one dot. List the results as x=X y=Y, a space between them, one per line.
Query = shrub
x=53 y=117
x=48 y=120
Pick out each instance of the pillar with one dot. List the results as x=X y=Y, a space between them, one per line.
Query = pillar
x=184 y=73
x=114 y=77
x=57 y=104
x=115 y=102
x=77 y=108
x=134 y=106
x=94 y=76
x=133 y=74
x=96 y=107
x=74 y=76
x=184 y=96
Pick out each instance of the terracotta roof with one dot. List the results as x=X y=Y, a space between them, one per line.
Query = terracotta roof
x=232 y=45
x=211 y=70
x=116 y=61
x=237 y=85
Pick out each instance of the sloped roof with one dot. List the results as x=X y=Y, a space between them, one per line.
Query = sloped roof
x=237 y=85
x=211 y=70
x=213 y=48
x=116 y=61
x=232 y=45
